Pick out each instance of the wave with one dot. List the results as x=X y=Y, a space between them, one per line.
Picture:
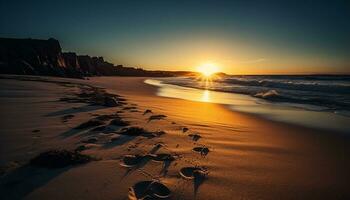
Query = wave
x=332 y=93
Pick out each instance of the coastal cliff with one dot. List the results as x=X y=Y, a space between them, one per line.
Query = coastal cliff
x=45 y=57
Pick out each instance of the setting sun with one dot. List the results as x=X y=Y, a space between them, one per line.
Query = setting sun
x=208 y=69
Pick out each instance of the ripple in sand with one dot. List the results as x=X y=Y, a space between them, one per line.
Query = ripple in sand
x=202 y=150
x=149 y=190
x=193 y=172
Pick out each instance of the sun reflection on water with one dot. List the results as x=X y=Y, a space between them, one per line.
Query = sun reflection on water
x=206 y=96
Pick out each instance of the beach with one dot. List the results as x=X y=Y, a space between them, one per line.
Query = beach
x=247 y=157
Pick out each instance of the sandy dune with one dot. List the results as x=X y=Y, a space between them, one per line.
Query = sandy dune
x=248 y=158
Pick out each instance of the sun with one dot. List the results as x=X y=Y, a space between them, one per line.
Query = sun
x=208 y=69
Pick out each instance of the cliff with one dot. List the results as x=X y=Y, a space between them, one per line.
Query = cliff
x=45 y=57
x=30 y=56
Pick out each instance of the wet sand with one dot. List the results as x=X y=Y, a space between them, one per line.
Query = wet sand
x=248 y=158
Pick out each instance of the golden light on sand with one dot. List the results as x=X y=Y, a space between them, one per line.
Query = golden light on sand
x=208 y=69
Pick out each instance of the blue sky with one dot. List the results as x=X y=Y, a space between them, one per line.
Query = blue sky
x=239 y=36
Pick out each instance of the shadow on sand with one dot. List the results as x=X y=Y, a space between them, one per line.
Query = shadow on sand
x=86 y=108
x=24 y=180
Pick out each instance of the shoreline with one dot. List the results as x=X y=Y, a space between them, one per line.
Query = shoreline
x=274 y=111
x=249 y=157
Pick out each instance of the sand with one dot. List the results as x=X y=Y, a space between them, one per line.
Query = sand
x=248 y=158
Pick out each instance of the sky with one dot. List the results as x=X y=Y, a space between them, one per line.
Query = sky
x=240 y=37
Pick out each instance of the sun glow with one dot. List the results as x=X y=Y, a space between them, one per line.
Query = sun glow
x=208 y=69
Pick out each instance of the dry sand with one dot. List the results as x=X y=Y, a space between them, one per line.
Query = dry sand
x=249 y=158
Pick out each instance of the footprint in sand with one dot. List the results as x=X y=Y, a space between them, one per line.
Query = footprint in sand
x=202 y=150
x=131 y=160
x=195 y=137
x=193 y=172
x=197 y=174
x=149 y=190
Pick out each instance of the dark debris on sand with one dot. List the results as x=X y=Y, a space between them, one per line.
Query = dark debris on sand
x=59 y=158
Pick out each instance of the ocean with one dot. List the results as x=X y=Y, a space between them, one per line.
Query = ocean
x=301 y=99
